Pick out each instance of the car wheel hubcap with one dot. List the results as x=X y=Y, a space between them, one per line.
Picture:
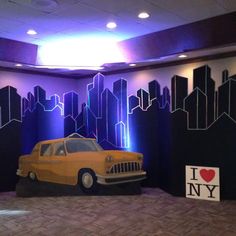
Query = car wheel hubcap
x=87 y=180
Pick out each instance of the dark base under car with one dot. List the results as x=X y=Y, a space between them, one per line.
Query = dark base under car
x=27 y=188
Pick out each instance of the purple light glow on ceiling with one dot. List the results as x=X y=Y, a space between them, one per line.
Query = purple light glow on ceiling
x=79 y=52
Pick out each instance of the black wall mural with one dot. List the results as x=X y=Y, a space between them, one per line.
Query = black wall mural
x=10 y=148
x=104 y=116
x=171 y=128
x=42 y=119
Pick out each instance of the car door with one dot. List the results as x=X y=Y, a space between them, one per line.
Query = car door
x=52 y=162
x=59 y=163
x=44 y=162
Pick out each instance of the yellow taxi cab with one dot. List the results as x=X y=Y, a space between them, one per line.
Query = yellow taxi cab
x=80 y=161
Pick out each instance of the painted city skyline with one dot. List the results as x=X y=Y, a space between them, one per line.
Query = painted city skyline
x=107 y=115
x=204 y=104
x=164 y=124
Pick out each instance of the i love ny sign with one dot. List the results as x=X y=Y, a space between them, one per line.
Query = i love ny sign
x=202 y=183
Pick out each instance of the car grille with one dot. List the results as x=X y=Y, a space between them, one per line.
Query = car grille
x=125 y=167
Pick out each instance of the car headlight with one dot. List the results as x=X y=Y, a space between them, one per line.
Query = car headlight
x=109 y=159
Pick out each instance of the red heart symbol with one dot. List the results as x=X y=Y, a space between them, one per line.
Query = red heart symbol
x=207 y=175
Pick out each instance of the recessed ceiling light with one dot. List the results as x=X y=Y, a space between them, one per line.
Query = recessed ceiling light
x=111 y=25
x=31 y=32
x=18 y=65
x=143 y=15
x=132 y=64
x=182 y=56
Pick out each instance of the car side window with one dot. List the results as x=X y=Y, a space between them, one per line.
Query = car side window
x=59 y=149
x=35 y=149
x=46 y=150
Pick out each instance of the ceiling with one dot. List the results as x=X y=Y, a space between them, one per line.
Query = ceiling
x=56 y=20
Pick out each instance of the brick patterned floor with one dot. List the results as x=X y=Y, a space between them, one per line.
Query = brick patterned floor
x=154 y=212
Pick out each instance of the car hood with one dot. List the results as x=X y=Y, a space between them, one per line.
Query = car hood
x=116 y=155
x=122 y=155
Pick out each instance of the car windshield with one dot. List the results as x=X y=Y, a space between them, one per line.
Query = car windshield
x=82 y=145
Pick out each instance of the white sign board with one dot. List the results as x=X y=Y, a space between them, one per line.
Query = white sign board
x=202 y=183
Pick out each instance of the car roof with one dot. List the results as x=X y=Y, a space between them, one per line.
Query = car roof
x=62 y=140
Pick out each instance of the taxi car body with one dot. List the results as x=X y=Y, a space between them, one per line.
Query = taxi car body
x=80 y=161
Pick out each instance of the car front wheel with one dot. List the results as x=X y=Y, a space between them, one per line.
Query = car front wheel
x=88 y=181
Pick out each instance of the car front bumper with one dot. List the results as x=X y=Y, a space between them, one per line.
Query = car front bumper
x=120 y=178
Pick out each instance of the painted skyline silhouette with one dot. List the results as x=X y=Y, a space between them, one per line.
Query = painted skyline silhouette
x=171 y=130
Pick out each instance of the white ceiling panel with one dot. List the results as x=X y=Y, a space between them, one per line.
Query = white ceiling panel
x=8 y=24
x=229 y=5
x=157 y=20
x=56 y=20
x=205 y=12
x=113 y=7
x=45 y=6
x=18 y=12
x=79 y=31
x=193 y=10
x=81 y=13
x=79 y=17
x=181 y=4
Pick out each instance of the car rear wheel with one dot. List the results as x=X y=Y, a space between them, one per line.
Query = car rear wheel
x=32 y=176
x=88 y=181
